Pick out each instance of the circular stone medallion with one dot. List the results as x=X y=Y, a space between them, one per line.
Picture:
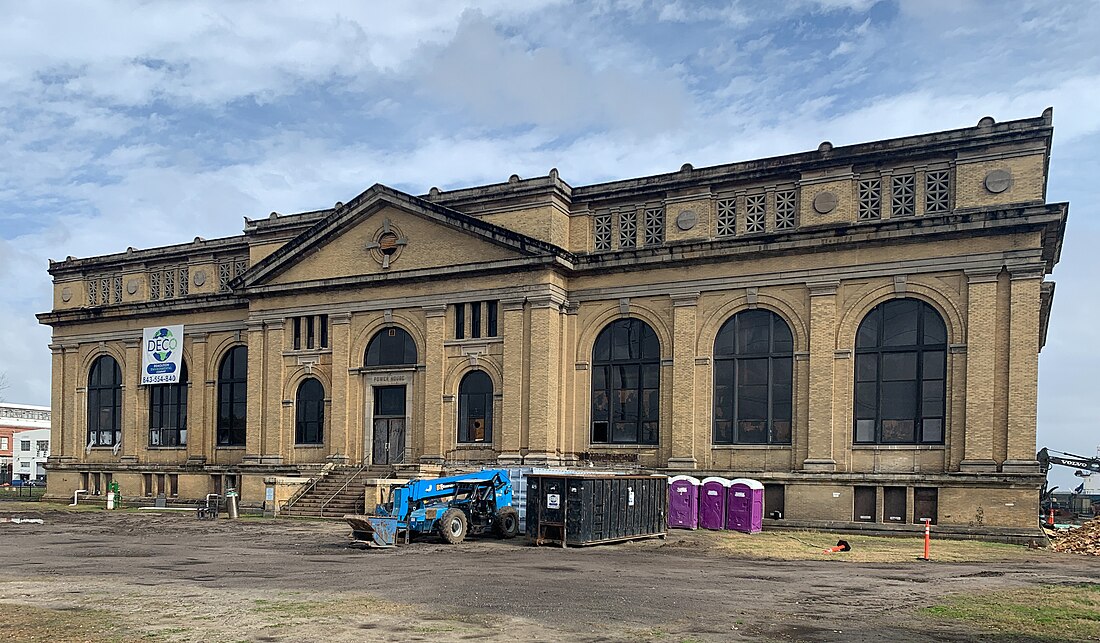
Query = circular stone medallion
x=132 y=286
x=200 y=277
x=66 y=294
x=824 y=202
x=686 y=220
x=998 y=181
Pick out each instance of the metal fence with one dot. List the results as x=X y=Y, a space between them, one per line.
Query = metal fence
x=22 y=494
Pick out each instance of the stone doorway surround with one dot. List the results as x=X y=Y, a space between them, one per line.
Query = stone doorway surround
x=386 y=377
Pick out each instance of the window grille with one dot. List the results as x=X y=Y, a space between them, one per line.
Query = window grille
x=225 y=275
x=903 y=196
x=785 y=210
x=603 y=231
x=628 y=229
x=936 y=191
x=93 y=292
x=116 y=289
x=183 y=282
x=870 y=199
x=755 y=211
x=154 y=285
x=239 y=266
x=654 y=226
x=104 y=290
x=169 y=283
x=727 y=217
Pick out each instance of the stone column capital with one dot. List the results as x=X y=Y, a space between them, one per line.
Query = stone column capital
x=435 y=310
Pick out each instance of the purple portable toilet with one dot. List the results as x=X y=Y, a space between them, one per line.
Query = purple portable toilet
x=683 y=502
x=712 y=503
x=745 y=506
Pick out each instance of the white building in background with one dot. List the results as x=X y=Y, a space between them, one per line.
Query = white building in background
x=30 y=449
x=17 y=419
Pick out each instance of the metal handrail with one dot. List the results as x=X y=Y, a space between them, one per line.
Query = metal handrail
x=301 y=493
x=346 y=483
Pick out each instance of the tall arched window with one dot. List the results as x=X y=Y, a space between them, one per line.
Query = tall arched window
x=753 y=358
x=475 y=408
x=626 y=384
x=232 y=397
x=168 y=413
x=310 y=425
x=105 y=402
x=901 y=366
x=390 y=347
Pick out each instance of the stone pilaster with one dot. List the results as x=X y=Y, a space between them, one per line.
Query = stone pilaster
x=434 y=365
x=61 y=427
x=545 y=342
x=822 y=362
x=981 y=355
x=1023 y=370
x=135 y=404
x=256 y=429
x=278 y=442
x=684 y=308
x=198 y=437
x=339 y=445
x=511 y=421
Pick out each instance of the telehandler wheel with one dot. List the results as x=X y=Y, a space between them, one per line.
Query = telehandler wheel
x=452 y=526
x=507 y=522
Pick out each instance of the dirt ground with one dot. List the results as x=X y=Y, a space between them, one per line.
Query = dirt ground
x=140 y=576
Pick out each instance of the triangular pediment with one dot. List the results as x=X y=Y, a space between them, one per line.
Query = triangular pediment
x=386 y=232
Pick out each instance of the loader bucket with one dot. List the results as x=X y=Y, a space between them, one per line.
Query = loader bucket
x=376 y=531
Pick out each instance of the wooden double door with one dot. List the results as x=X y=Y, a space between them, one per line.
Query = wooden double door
x=389 y=425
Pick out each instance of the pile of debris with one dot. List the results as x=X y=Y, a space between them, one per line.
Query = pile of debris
x=1082 y=540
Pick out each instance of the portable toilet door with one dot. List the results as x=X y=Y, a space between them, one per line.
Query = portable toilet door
x=712 y=503
x=745 y=506
x=683 y=502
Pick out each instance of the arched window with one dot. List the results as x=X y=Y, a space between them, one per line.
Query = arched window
x=753 y=359
x=475 y=408
x=105 y=403
x=390 y=347
x=901 y=366
x=168 y=413
x=232 y=397
x=626 y=384
x=310 y=425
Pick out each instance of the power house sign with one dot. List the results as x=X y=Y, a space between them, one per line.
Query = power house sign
x=161 y=354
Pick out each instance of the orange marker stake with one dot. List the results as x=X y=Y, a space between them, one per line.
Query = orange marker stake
x=927 y=536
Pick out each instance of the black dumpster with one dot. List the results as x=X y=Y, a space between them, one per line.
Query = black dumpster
x=583 y=509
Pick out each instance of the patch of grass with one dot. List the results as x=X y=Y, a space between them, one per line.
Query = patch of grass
x=23 y=623
x=808 y=545
x=1065 y=612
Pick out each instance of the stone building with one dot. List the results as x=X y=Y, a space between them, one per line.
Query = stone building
x=857 y=327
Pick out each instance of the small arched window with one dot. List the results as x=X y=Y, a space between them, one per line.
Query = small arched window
x=105 y=402
x=626 y=384
x=309 y=427
x=390 y=347
x=232 y=397
x=475 y=408
x=168 y=413
x=753 y=359
x=901 y=369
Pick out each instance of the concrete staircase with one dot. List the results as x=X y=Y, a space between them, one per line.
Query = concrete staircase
x=338 y=492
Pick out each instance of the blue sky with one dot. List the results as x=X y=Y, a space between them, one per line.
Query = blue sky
x=143 y=124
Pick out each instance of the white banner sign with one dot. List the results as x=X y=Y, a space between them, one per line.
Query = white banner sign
x=161 y=354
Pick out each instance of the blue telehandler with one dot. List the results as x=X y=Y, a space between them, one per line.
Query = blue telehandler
x=452 y=507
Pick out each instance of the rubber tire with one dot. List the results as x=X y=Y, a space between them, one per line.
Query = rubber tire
x=507 y=523
x=452 y=526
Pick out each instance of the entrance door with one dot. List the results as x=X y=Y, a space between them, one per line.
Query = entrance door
x=389 y=425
